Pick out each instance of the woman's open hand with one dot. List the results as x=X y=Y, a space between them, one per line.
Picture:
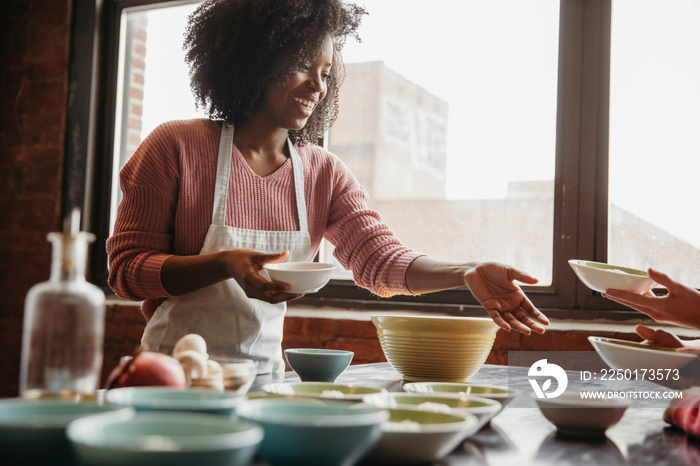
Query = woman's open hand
x=492 y=284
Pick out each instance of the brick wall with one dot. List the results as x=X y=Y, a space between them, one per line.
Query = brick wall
x=34 y=42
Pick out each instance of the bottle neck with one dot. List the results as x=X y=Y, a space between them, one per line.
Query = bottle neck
x=69 y=256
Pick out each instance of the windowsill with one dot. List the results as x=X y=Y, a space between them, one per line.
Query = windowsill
x=556 y=325
x=592 y=326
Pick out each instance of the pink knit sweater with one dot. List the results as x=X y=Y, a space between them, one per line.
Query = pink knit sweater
x=167 y=204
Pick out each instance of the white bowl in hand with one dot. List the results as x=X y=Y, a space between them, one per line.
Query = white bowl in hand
x=600 y=277
x=305 y=277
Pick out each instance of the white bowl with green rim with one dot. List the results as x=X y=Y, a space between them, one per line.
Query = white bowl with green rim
x=632 y=355
x=323 y=390
x=600 y=277
x=483 y=408
x=173 y=399
x=502 y=394
x=306 y=432
x=416 y=436
x=172 y=438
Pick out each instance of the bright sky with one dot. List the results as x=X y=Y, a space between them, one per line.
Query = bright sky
x=495 y=62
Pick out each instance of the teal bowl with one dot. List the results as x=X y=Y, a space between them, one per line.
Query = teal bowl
x=318 y=365
x=167 y=438
x=34 y=431
x=172 y=399
x=314 y=432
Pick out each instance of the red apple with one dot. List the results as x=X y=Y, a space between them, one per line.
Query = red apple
x=147 y=369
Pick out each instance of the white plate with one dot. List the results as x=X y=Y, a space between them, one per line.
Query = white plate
x=623 y=354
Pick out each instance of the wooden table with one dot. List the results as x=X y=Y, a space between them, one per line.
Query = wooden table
x=522 y=436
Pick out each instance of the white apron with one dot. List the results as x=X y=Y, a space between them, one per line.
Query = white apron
x=233 y=325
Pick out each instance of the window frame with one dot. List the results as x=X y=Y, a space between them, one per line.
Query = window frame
x=581 y=181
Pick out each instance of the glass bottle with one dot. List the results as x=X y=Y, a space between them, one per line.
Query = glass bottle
x=63 y=332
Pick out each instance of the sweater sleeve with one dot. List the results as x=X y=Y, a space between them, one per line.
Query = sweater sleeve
x=363 y=243
x=143 y=232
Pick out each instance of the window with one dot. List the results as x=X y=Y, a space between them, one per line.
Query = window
x=493 y=129
x=654 y=138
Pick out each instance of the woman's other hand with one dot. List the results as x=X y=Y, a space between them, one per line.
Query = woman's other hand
x=492 y=284
x=680 y=306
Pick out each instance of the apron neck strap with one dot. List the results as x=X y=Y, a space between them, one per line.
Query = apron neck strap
x=223 y=170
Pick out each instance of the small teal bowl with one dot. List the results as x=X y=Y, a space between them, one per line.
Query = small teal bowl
x=311 y=431
x=173 y=399
x=318 y=365
x=167 y=438
x=34 y=431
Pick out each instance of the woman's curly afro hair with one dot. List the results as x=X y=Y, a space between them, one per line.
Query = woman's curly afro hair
x=236 y=49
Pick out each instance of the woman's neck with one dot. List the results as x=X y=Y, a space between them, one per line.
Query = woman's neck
x=264 y=150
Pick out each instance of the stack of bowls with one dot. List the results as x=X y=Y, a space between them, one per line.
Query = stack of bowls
x=435 y=348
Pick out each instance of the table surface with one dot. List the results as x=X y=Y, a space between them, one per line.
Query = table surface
x=522 y=436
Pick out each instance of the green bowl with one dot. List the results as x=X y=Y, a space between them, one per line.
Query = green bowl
x=503 y=395
x=27 y=424
x=167 y=438
x=173 y=399
x=312 y=431
x=450 y=403
x=323 y=390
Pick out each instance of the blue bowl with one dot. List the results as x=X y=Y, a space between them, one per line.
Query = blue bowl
x=34 y=431
x=314 y=432
x=318 y=365
x=173 y=399
x=168 y=438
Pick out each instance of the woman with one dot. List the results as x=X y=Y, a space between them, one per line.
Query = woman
x=206 y=204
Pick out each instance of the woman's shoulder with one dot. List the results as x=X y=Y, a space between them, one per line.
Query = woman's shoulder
x=183 y=129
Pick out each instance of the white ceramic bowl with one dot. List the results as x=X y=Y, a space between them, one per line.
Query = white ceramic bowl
x=435 y=348
x=318 y=364
x=577 y=417
x=147 y=439
x=623 y=354
x=324 y=390
x=503 y=395
x=414 y=436
x=450 y=403
x=34 y=431
x=307 y=432
x=173 y=399
x=305 y=277
x=600 y=277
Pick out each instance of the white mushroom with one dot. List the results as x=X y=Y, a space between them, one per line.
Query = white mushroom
x=191 y=342
x=194 y=363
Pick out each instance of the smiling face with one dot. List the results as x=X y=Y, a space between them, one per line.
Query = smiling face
x=289 y=106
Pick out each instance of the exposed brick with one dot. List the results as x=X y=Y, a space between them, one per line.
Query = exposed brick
x=293 y=326
x=320 y=329
x=357 y=328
